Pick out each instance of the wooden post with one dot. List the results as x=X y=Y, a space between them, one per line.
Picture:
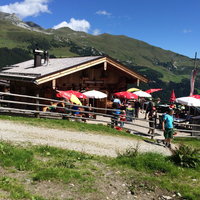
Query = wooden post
x=37 y=115
x=105 y=66
x=54 y=84
x=138 y=82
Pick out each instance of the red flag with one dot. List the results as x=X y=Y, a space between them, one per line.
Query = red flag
x=192 y=81
x=172 y=97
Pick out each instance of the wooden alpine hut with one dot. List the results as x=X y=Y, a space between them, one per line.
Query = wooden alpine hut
x=42 y=77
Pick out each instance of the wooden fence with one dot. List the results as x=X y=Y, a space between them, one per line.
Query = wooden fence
x=17 y=104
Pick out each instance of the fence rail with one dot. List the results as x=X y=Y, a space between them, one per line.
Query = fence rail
x=9 y=106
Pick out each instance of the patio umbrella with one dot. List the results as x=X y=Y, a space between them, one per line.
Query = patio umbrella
x=94 y=94
x=126 y=95
x=197 y=96
x=141 y=93
x=172 y=97
x=153 y=90
x=133 y=89
x=189 y=101
x=63 y=94
x=77 y=94
x=69 y=96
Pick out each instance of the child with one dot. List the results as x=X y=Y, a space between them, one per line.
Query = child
x=122 y=118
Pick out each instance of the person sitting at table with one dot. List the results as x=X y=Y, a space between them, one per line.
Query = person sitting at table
x=50 y=108
x=172 y=106
x=88 y=109
x=75 y=109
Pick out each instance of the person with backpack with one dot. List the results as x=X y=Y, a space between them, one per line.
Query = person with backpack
x=149 y=108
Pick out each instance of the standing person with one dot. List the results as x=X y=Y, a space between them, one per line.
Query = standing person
x=137 y=108
x=152 y=118
x=148 y=108
x=122 y=118
x=117 y=100
x=130 y=112
x=115 y=117
x=168 y=127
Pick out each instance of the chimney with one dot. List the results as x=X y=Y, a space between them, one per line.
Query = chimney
x=37 y=57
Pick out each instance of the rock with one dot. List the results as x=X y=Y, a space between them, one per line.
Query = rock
x=178 y=194
x=166 y=197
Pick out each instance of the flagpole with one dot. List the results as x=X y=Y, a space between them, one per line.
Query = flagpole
x=193 y=76
x=195 y=61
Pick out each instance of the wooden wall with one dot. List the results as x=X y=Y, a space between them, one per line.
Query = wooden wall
x=108 y=81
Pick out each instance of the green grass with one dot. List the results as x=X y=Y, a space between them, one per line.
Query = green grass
x=157 y=170
x=13 y=156
x=61 y=165
x=194 y=142
x=57 y=166
x=16 y=190
x=45 y=163
x=62 y=52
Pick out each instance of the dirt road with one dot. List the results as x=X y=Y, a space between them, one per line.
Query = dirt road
x=104 y=145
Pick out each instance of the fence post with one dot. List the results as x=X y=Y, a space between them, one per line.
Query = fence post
x=153 y=133
x=37 y=115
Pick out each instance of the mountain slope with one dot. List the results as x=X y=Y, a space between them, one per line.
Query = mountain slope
x=164 y=68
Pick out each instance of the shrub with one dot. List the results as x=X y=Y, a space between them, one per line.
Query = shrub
x=186 y=156
x=130 y=152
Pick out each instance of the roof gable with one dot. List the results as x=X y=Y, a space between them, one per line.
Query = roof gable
x=60 y=67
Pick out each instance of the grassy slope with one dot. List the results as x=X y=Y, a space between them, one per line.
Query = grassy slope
x=12 y=36
x=27 y=168
x=136 y=52
x=122 y=48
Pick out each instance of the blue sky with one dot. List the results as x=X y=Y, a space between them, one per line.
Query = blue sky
x=170 y=24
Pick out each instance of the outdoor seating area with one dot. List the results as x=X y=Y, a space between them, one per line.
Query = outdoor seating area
x=119 y=109
x=126 y=106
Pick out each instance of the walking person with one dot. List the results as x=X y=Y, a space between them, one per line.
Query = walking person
x=149 y=108
x=137 y=108
x=168 y=127
x=152 y=116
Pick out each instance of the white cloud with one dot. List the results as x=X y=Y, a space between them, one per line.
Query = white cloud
x=187 y=31
x=27 y=8
x=96 y=32
x=75 y=24
x=103 y=12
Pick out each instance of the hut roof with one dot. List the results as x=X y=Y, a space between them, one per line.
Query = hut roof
x=58 y=67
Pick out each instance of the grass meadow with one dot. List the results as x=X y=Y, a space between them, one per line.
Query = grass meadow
x=44 y=172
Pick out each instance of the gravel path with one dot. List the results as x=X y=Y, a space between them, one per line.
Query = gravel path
x=80 y=141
